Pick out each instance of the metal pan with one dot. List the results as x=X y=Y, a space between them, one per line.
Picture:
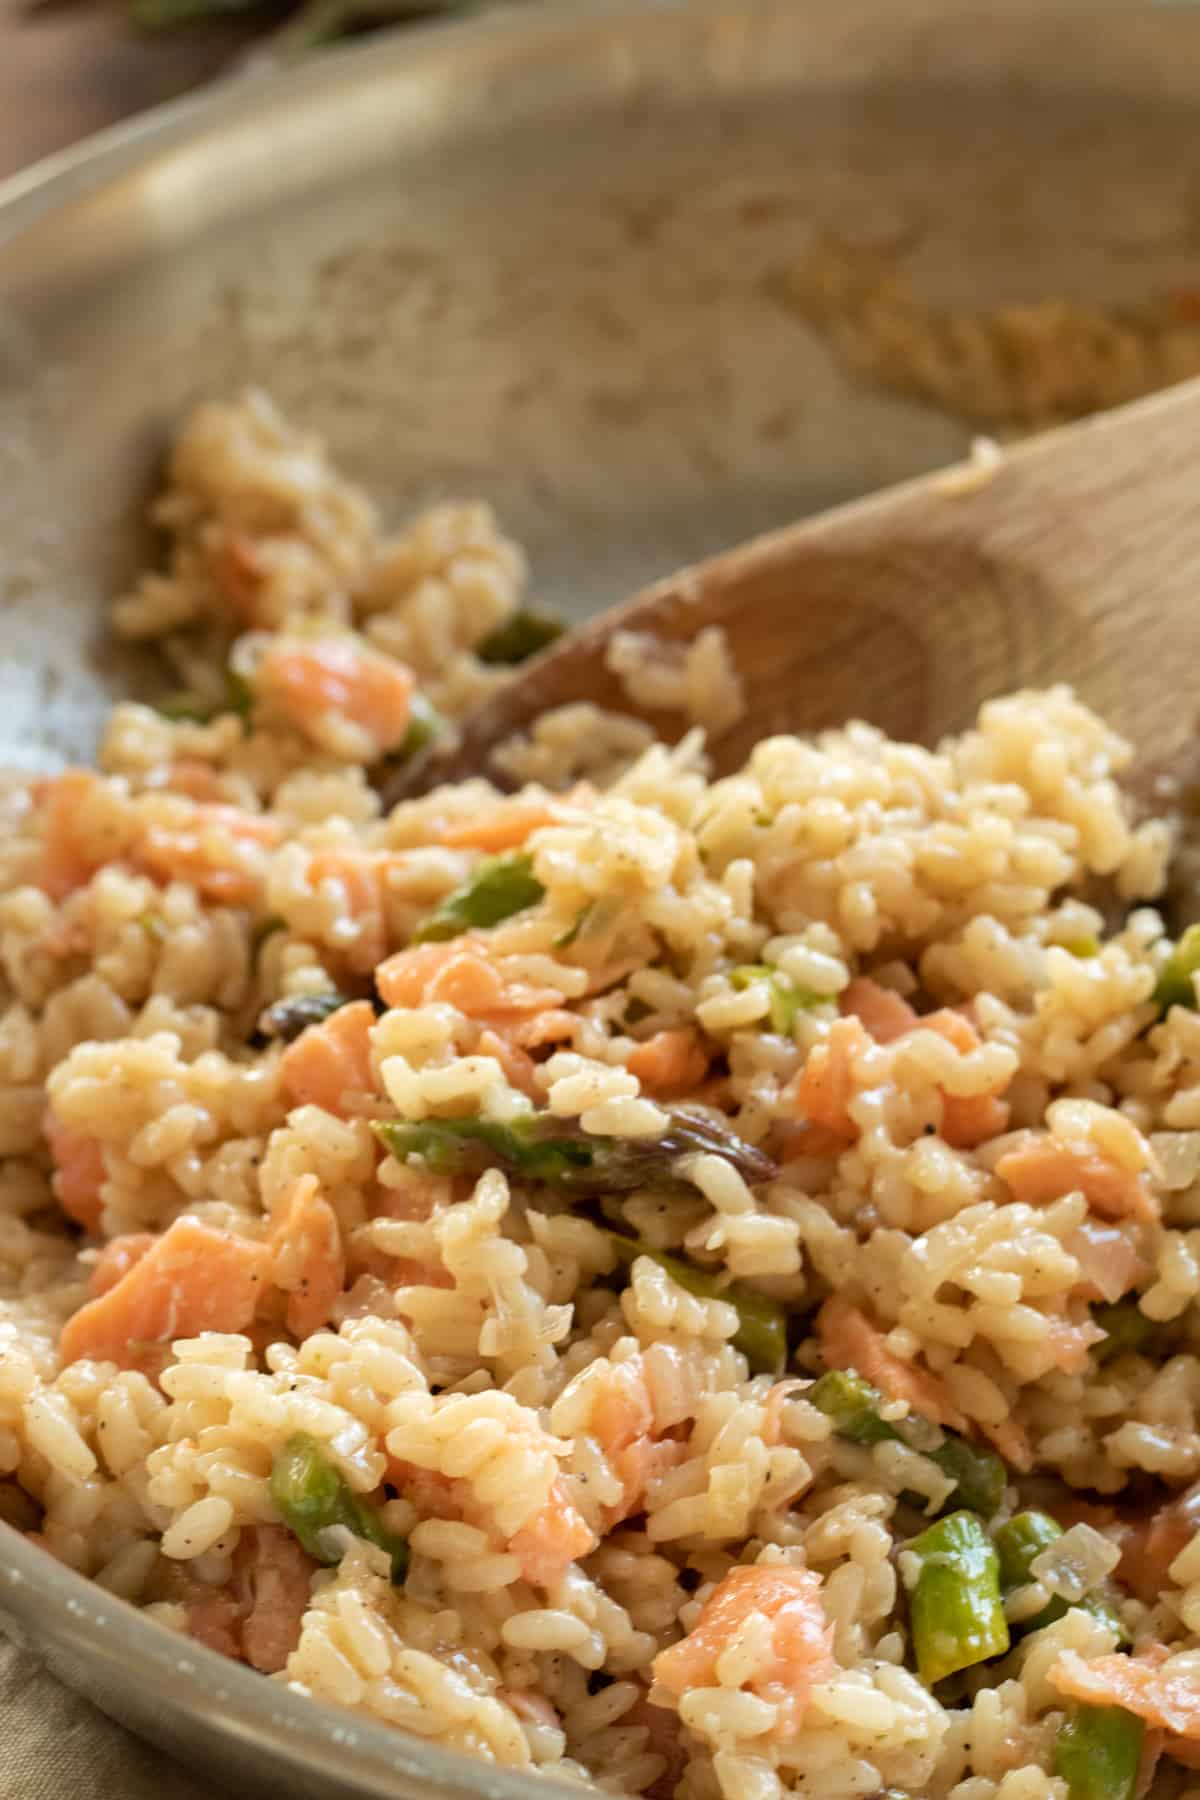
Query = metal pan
x=649 y=278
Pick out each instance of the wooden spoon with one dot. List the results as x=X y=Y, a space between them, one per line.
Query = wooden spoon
x=1075 y=558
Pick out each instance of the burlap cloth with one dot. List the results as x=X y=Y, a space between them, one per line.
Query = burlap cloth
x=54 y=1746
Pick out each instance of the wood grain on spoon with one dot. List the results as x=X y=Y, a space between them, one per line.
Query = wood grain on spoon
x=1077 y=558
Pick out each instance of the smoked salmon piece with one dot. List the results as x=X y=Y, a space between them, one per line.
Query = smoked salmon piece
x=1150 y=1545
x=885 y=1014
x=306 y=678
x=78 y=1171
x=556 y=1536
x=308 y=1263
x=826 y=1084
x=1043 y=1170
x=506 y=826
x=968 y=1120
x=191 y=1279
x=461 y=973
x=65 y=865
x=256 y=1617
x=1147 y=1685
x=849 y=1341
x=117 y=1258
x=209 y=850
x=329 y=1065
x=802 y=1639
x=670 y=1064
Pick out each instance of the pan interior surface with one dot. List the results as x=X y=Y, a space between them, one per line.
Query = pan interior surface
x=648 y=285
x=648 y=280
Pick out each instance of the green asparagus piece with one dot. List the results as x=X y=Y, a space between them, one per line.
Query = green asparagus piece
x=238 y=698
x=1098 y=1753
x=466 y=1146
x=761 y=1335
x=1175 y=978
x=1126 y=1327
x=1019 y=1542
x=1083 y=947
x=566 y=938
x=311 y=1496
x=956 y=1612
x=185 y=705
x=980 y=1475
x=541 y=1148
x=854 y=1406
x=500 y=887
x=785 y=999
x=520 y=637
x=425 y=723
x=286 y=1019
x=594 y=918
x=239 y=695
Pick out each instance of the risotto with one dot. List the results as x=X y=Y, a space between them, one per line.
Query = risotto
x=689 y=1285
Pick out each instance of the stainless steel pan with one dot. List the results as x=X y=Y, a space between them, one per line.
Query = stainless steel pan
x=649 y=278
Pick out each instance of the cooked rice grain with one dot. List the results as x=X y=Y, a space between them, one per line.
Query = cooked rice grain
x=882 y=969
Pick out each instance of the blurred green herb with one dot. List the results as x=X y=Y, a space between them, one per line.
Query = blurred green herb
x=185 y=705
x=520 y=637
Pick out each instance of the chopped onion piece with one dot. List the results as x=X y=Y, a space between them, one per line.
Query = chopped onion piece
x=1179 y=1154
x=1075 y=1563
x=1106 y=1258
